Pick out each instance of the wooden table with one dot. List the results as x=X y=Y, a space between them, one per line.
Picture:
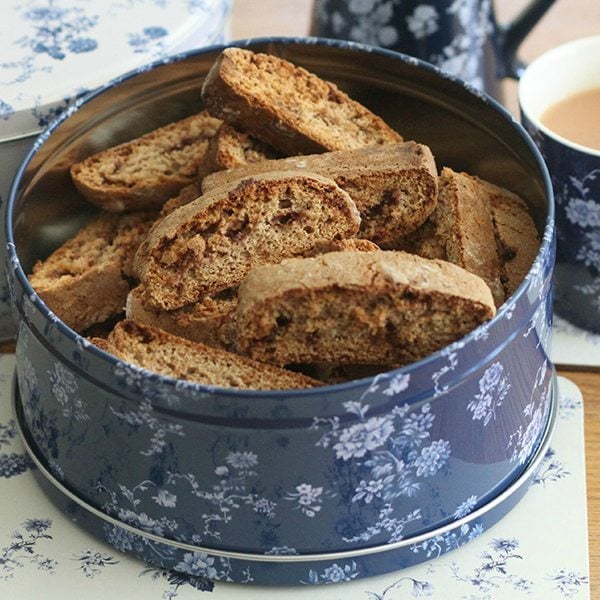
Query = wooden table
x=566 y=20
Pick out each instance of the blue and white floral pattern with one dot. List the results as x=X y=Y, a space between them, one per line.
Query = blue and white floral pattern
x=524 y=440
x=57 y=31
x=308 y=499
x=63 y=385
x=45 y=41
x=11 y=463
x=149 y=41
x=576 y=182
x=494 y=572
x=493 y=388
x=394 y=453
x=144 y=418
x=234 y=489
x=459 y=36
x=551 y=470
x=492 y=566
x=335 y=573
x=384 y=462
x=440 y=544
x=22 y=549
x=179 y=579
x=568 y=583
x=582 y=211
x=92 y=563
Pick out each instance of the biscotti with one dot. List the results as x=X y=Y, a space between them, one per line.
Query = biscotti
x=210 y=320
x=230 y=148
x=394 y=186
x=210 y=244
x=154 y=349
x=288 y=108
x=461 y=229
x=145 y=172
x=276 y=251
x=86 y=280
x=517 y=238
x=381 y=307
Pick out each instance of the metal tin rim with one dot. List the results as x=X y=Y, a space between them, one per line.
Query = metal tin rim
x=497 y=501
x=81 y=342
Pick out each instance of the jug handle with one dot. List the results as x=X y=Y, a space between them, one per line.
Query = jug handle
x=514 y=32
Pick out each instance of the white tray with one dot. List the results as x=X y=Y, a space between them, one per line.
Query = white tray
x=574 y=347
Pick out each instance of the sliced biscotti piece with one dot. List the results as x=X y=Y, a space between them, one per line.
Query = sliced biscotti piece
x=147 y=171
x=86 y=280
x=461 y=229
x=210 y=320
x=162 y=352
x=210 y=244
x=230 y=148
x=394 y=186
x=383 y=307
x=517 y=238
x=285 y=106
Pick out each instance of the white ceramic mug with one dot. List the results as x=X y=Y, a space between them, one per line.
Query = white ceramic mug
x=575 y=172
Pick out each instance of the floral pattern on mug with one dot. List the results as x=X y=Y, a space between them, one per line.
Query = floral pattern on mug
x=576 y=183
x=582 y=210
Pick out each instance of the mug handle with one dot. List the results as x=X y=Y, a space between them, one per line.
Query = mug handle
x=514 y=32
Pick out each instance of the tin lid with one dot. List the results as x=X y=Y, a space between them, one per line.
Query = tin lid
x=53 y=51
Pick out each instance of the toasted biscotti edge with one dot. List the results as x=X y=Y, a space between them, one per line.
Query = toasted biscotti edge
x=517 y=237
x=260 y=107
x=196 y=251
x=461 y=230
x=230 y=148
x=146 y=171
x=161 y=352
x=395 y=186
x=383 y=307
x=210 y=321
x=86 y=280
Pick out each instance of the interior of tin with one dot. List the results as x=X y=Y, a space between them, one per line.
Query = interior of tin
x=462 y=131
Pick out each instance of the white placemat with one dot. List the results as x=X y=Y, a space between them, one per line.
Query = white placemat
x=538 y=551
x=572 y=346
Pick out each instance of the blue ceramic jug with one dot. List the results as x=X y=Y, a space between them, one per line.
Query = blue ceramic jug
x=462 y=37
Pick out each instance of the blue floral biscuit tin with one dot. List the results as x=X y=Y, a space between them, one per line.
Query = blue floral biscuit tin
x=303 y=486
x=54 y=51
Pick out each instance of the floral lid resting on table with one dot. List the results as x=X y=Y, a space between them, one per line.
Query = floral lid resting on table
x=53 y=51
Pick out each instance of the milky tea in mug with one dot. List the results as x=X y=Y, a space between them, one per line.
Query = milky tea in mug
x=559 y=99
x=576 y=118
